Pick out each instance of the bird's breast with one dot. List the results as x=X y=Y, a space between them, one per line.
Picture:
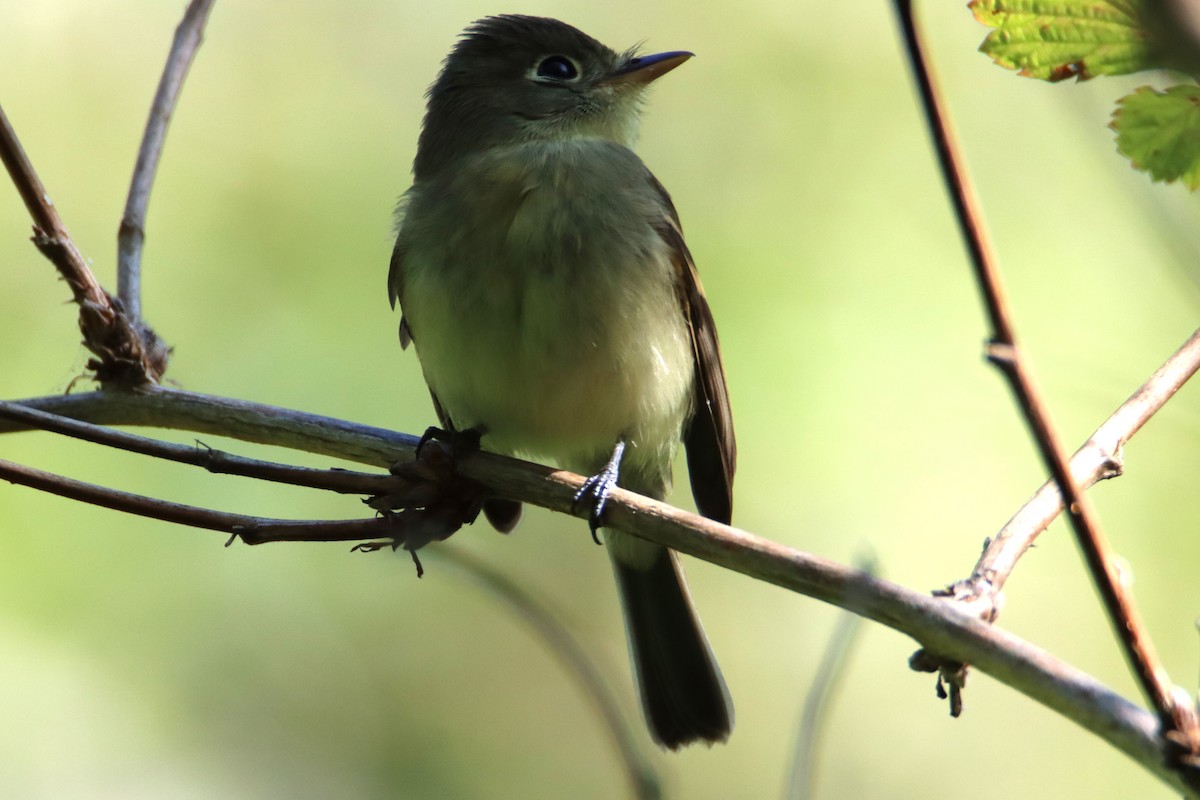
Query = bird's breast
x=546 y=313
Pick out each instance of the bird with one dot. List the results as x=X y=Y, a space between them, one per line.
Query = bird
x=557 y=314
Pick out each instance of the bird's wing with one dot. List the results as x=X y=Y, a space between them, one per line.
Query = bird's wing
x=396 y=270
x=708 y=437
x=395 y=285
x=396 y=295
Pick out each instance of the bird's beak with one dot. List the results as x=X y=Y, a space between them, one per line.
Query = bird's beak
x=643 y=69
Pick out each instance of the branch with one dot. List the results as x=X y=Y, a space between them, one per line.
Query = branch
x=1178 y=720
x=938 y=626
x=252 y=530
x=1101 y=457
x=641 y=774
x=132 y=232
x=215 y=461
x=125 y=358
x=434 y=500
x=160 y=407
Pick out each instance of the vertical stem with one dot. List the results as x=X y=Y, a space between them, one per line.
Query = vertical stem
x=132 y=231
x=1003 y=352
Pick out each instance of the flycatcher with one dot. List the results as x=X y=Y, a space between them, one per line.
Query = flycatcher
x=556 y=311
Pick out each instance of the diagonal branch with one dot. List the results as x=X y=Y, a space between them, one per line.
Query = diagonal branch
x=129 y=354
x=124 y=357
x=253 y=530
x=48 y=229
x=1179 y=721
x=161 y=407
x=938 y=626
x=216 y=461
x=1099 y=458
x=434 y=501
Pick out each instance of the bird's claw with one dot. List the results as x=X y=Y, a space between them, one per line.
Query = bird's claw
x=595 y=491
x=459 y=441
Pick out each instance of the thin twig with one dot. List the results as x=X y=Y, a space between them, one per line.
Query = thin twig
x=47 y=224
x=643 y=778
x=161 y=407
x=1178 y=721
x=434 y=501
x=127 y=355
x=1101 y=457
x=215 y=461
x=252 y=530
x=935 y=624
x=132 y=232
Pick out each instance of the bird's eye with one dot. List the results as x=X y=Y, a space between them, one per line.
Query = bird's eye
x=558 y=68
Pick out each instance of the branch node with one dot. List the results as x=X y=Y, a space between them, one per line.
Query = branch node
x=1112 y=464
x=976 y=595
x=1001 y=354
x=212 y=460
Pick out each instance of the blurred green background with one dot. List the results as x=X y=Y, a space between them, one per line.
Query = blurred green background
x=145 y=660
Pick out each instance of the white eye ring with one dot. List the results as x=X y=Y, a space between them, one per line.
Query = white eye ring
x=555 y=69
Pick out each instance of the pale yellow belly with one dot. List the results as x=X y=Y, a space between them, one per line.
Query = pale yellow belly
x=561 y=379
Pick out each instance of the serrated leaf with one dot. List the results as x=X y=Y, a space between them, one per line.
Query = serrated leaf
x=1058 y=39
x=1160 y=132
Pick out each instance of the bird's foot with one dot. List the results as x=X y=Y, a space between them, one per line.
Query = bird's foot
x=431 y=500
x=460 y=442
x=596 y=489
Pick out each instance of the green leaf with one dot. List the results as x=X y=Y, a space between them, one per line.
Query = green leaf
x=1058 y=39
x=1160 y=132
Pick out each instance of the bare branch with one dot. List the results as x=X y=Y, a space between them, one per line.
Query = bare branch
x=128 y=355
x=160 y=407
x=131 y=356
x=48 y=229
x=132 y=231
x=435 y=501
x=253 y=530
x=1101 y=457
x=938 y=626
x=1179 y=721
x=216 y=461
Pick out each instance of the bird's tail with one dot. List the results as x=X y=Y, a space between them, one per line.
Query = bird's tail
x=683 y=693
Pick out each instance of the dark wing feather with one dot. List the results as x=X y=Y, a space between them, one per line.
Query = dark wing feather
x=395 y=295
x=395 y=289
x=708 y=436
x=502 y=513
